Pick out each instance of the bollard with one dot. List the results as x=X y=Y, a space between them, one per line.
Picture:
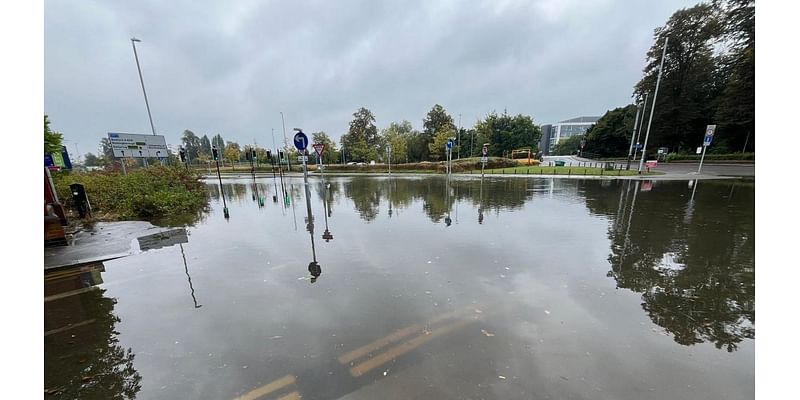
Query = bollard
x=569 y=171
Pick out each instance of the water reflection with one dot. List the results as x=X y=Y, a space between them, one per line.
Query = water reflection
x=688 y=249
x=689 y=253
x=83 y=356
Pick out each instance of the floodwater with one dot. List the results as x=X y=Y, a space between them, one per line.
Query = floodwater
x=415 y=288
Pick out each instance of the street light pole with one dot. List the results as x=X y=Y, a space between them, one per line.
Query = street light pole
x=639 y=130
x=633 y=134
x=653 y=107
x=459 y=136
x=285 y=143
x=146 y=103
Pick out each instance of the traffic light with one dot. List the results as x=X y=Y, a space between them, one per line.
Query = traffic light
x=215 y=153
x=182 y=154
x=254 y=155
x=269 y=155
x=248 y=155
x=280 y=154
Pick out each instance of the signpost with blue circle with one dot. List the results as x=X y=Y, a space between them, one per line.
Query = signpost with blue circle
x=706 y=142
x=301 y=141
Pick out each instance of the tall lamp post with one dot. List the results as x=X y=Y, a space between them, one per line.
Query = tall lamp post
x=653 y=107
x=285 y=143
x=146 y=103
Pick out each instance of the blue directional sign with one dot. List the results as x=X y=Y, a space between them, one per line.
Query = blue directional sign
x=449 y=144
x=709 y=135
x=300 y=141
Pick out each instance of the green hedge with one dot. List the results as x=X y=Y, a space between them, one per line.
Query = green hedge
x=148 y=193
x=462 y=165
x=712 y=157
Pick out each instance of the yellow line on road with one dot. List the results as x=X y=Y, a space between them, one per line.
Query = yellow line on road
x=395 y=337
x=405 y=347
x=291 y=396
x=378 y=344
x=268 y=388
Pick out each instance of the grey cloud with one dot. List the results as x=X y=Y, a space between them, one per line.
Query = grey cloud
x=215 y=67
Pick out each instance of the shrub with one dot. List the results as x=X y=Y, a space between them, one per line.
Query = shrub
x=148 y=193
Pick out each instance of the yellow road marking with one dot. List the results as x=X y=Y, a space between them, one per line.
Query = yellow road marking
x=405 y=347
x=386 y=340
x=291 y=396
x=395 y=336
x=268 y=388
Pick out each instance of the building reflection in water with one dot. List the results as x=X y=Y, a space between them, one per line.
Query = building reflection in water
x=83 y=357
x=168 y=238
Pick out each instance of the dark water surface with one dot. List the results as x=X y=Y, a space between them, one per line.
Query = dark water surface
x=510 y=289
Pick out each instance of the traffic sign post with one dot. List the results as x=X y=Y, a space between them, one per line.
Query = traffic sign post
x=301 y=142
x=449 y=151
x=706 y=142
x=485 y=158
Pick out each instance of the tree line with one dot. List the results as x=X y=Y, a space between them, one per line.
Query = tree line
x=708 y=79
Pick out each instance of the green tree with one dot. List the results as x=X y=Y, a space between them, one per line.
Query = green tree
x=361 y=141
x=735 y=114
x=396 y=136
x=205 y=146
x=52 y=139
x=191 y=143
x=611 y=134
x=436 y=148
x=329 y=155
x=417 y=145
x=506 y=133
x=106 y=149
x=435 y=121
x=91 y=160
x=232 y=152
x=217 y=142
x=568 y=146
x=689 y=84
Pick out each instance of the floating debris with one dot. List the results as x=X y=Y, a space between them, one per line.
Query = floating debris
x=501 y=377
x=487 y=333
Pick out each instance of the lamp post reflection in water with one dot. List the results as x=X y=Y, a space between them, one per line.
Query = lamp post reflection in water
x=186 y=269
x=313 y=267
x=326 y=207
x=480 y=202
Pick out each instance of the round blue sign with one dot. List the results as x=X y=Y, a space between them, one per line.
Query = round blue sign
x=449 y=144
x=300 y=140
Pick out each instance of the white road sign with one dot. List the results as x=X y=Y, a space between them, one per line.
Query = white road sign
x=138 y=145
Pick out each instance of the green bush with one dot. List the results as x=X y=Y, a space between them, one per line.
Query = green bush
x=148 y=193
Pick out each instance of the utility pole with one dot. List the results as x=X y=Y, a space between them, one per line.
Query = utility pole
x=653 y=107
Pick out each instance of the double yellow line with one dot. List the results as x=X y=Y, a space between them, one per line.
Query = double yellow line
x=271 y=387
x=424 y=334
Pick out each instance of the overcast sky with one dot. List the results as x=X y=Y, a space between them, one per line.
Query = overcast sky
x=231 y=67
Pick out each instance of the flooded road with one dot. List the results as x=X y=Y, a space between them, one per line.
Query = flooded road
x=415 y=288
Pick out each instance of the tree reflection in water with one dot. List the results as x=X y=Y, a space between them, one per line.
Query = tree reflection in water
x=694 y=264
